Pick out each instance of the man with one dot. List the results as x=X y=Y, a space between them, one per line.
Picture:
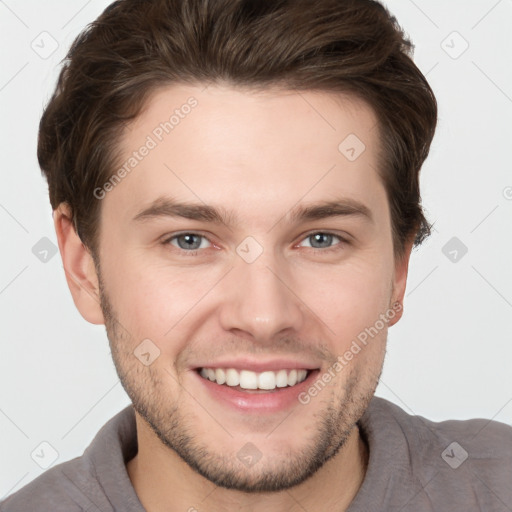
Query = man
x=236 y=197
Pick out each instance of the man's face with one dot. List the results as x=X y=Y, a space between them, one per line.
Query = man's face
x=263 y=290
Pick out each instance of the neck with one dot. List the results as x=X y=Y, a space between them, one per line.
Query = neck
x=164 y=482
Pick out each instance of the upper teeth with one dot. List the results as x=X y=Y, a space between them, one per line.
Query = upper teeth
x=247 y=379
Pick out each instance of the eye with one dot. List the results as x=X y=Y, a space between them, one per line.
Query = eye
x=188 y=242
x=323 y=241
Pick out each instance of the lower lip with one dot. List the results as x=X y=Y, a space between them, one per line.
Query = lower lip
x=271 y=401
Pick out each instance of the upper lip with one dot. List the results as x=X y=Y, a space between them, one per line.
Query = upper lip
x=260 y=365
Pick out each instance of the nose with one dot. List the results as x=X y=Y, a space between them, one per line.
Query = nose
x=259 y=301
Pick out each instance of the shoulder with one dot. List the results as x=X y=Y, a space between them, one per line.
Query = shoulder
x=57 y=489
x=478 y=435
x=450 y=463
x=95 y=481
x=481 y=439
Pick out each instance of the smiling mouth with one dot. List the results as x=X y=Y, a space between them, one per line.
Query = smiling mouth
x=247 y=380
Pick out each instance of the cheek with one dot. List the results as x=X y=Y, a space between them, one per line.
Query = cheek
x=351 y=299
x=151 y=301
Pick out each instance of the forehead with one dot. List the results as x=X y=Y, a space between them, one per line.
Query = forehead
x=248 y=148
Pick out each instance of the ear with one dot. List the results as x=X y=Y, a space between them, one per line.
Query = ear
x=78 y=266
x=400 y=281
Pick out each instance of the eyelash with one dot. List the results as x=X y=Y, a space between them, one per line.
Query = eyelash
x=336 y=247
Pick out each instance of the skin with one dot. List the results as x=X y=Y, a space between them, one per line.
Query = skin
x=258 y=155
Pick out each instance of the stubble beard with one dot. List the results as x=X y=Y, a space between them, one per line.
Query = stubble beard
x=273 y=473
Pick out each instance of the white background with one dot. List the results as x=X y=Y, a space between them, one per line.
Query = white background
x=449 y=357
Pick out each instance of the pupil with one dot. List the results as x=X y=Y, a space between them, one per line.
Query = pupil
x=189 y=241
x=319 y=237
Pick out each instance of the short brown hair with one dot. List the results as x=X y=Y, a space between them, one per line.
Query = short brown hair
x=136 y=47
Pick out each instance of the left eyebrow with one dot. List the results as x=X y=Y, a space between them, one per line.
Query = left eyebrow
x=340 y=208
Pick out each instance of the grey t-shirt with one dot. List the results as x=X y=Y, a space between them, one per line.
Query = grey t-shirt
x=415 y=465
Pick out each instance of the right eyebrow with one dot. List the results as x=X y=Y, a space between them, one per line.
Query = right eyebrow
x=168 y=207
